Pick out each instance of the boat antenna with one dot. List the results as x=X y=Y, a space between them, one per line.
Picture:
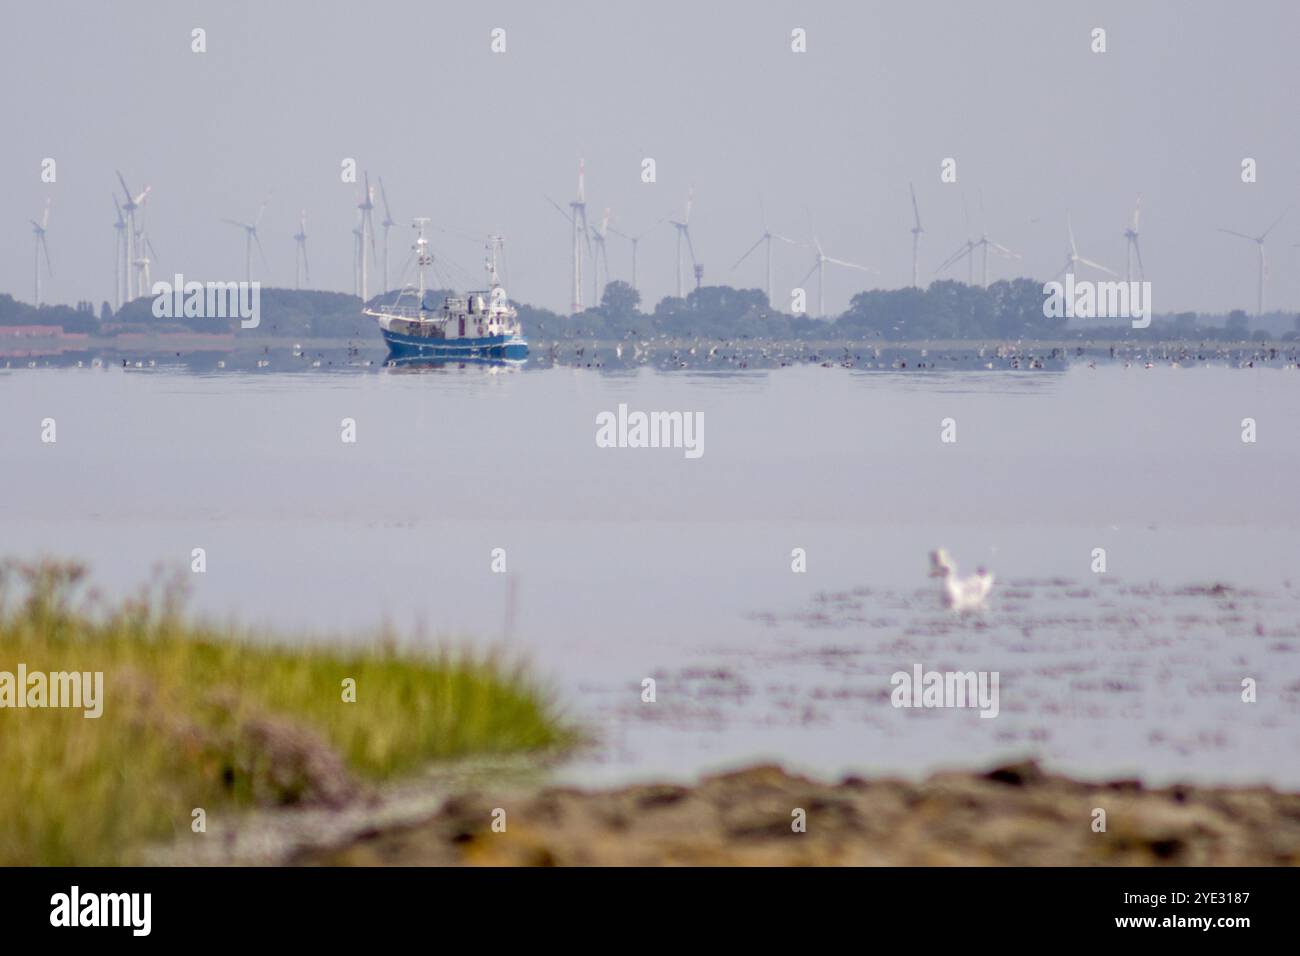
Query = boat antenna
x=421 y=248
x=494 y=243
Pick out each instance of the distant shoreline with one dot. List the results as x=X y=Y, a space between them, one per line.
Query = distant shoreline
x=136 y=343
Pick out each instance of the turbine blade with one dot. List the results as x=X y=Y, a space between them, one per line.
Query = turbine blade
x=965 y=250
x=916 y=212
x=1275 y=222
x=810 y=272
x=1239 y=235
x=1138 y=249
x=748 y=251
x=850 y=265
x=568 y=216
x=812 y=230
x=1097 y=265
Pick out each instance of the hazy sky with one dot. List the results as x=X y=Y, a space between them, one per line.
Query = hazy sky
x=476 y=140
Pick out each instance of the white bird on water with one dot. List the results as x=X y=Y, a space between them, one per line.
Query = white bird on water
x=960 y=594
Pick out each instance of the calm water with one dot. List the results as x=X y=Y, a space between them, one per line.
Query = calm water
x=628 y=563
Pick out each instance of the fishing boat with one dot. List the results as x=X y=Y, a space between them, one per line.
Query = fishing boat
x=476 y=325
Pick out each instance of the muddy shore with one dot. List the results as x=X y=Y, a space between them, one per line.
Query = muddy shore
x=1014 y=815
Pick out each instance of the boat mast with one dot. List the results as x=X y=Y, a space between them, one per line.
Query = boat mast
x=422 y=256
x=494 y=243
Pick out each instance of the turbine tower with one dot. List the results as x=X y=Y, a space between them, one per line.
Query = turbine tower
x=357 y=247
x=1072 y=257
x=250 y=237
x=387 y=223
x=1263 y=262
x=366 y=205
x=1132 y=249
x=120 y=271
x=300 y=269
x=767 y=237
x=38 y=234
x=916 y=240
x=578 y=208
x=819 y=266
x=599 y=255
x=683 y=227
x=577 y=219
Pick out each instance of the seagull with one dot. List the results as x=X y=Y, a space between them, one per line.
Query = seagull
x=960 y=595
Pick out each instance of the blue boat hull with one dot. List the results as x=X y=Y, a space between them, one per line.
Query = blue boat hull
x=491 y=346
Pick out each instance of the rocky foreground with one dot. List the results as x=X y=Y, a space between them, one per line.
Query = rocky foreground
x=1016 y=815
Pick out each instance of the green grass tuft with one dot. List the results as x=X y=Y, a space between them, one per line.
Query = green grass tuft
x=198 y=716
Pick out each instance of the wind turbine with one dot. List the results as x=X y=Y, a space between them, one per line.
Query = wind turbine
x=916 y=240
x=38 y=234
x=134 y=243
x=577 y=217
x=1072 y=257
x=250 y=237
x=1131 y=246
x=634 y=240
x=300 y=269
x=145 y=256
x=1259 y=243
x=767 y=237
x=984 y=243
x=683 y=227
x=387 y=223
x=367 y=231
x=819 y=266
x=965 y=250
x=121 y=273
x=598 y=254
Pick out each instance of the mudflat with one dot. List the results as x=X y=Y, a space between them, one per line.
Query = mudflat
x=1016 y=815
